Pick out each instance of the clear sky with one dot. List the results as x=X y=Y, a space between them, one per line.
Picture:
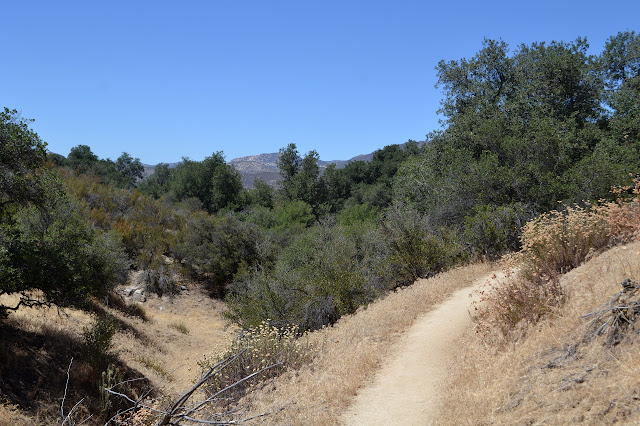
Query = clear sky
x=162 y=80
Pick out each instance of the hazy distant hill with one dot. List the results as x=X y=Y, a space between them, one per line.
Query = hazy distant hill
x=149 y=169
x=264 y=166
x=261 y=166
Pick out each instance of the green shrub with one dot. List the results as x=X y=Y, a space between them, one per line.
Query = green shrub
x=258 y=296
x=416 y=250
x=294 y=216
x=214 y=249
x=54 y=250
x=324 y=274
x=109 y=378
x=331 y=270
x=97 y=340
x=358 y=213
x=147 y=226
x=495 y=230
x=158 y=279
x=264 y=217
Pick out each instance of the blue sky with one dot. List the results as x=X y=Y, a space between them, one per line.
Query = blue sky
x=162 y=80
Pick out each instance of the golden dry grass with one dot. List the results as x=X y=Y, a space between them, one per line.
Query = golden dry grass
x=555 y=375
x=10 y=415
x=156 y=348
x=351 y=352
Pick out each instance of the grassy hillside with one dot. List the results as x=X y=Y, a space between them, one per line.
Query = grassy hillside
x=563 y=372
x=162 y=343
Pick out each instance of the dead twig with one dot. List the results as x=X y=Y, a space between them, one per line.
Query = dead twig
x=618 y=314
x=68 y=419
x=180 y=411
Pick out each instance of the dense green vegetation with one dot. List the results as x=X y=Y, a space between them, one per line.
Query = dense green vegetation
x=523 y=129
x=46 y=243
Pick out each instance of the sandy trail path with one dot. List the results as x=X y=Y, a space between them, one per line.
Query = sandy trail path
x=406 y=391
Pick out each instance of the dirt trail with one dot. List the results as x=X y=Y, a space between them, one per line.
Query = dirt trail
x=407 y=390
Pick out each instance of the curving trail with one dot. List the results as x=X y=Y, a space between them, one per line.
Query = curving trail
x=406 y=391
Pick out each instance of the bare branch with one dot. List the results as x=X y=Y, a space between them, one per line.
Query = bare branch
x=68 y=418
x=180 y=411
x=213 y=397
x=213 y=370
x=66 y=386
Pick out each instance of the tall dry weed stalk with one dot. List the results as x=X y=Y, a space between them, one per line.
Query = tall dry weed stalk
x=556 y=242
x=509 y=304
x=553 y=244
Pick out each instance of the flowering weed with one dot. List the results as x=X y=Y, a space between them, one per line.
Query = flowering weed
x=266 y=350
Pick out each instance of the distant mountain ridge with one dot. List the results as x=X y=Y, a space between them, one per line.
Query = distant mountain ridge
x=265 y=167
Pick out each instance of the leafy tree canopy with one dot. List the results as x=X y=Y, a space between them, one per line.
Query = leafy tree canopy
x=525 y=129
x=45 y=243
x=212 y=181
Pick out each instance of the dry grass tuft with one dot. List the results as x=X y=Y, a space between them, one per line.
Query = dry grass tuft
x=10 y=415
x=153 y=364
x=559 y=374
x=351 y=352
x=180 y=326
x=508 y=306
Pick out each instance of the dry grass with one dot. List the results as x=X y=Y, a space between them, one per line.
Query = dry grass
x=152 y=347
x=10 y=415
x=180 y=326
x=351 y=352
x=556 y=375
x=163 y=340
x=553 y=244
x=152 y=364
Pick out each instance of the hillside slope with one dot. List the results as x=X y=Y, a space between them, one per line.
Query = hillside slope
x=559 y=374
x=39 y=344
x=562 y=372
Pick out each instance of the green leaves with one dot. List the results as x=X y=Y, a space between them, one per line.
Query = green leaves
x=217 y=185
x=215 y=248
x=46 y=244
x=620 y=67
x=21 y=153
x=527 y=128
x=326 y=273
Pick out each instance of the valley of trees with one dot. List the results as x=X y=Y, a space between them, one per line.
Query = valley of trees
x=526 y=129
